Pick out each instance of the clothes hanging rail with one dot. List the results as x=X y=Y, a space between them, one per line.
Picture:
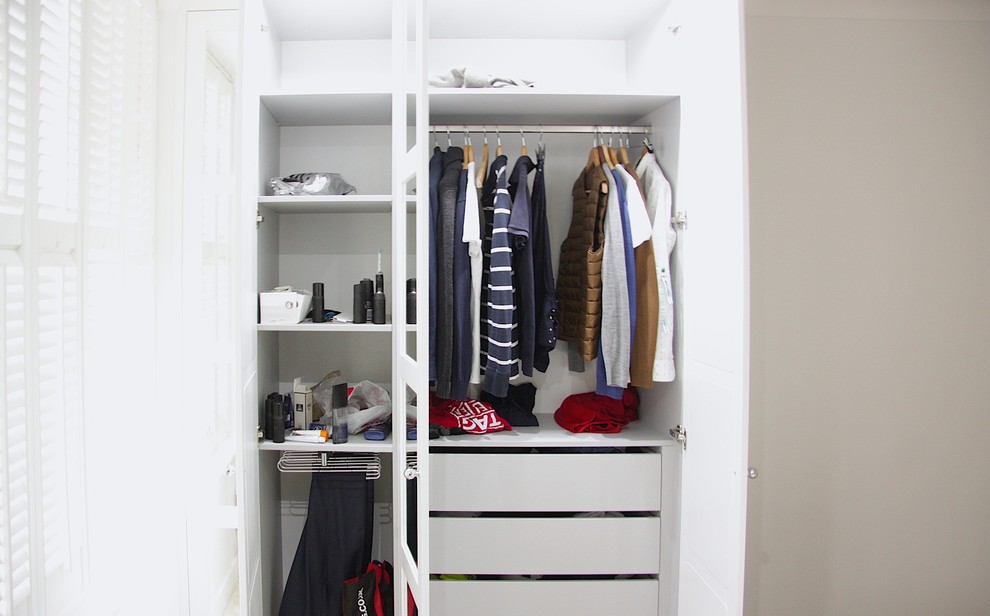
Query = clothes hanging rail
x=325 y=462
x=603 y=129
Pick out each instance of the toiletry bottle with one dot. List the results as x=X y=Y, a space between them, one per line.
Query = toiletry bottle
x=378 y=303
x=272 y=410
x=360 y=315
x=368 y=293
x=411 y=301
x=339 y=412
x=317 y=302
x=278 y=419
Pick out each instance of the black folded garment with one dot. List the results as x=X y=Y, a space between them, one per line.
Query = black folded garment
x=517 y=405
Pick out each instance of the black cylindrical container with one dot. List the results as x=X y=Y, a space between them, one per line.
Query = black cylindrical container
x=360 y=313
x=270 y=413
x=368 y=292
x=411 y=301
x=338 y=415
x=278 y=419
x=378 y=308
x=317 y=302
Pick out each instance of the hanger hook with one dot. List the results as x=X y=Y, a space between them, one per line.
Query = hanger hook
x=467 y=137
x=522 y=136
x=498 y=137
x=484 y=131
x=448 y=136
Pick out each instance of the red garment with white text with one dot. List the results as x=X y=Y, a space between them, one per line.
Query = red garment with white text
x=472 y=416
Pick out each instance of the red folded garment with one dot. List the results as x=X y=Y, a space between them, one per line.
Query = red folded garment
x=472 y=416
x=590 y=412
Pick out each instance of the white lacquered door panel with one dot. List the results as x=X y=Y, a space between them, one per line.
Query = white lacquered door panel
x=712 y=251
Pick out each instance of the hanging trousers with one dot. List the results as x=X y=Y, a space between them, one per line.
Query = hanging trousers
x=335 y=544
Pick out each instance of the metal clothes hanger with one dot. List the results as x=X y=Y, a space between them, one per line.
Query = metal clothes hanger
x=325 y=462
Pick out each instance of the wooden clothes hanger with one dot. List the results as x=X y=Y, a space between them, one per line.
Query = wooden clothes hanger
x=468 y=150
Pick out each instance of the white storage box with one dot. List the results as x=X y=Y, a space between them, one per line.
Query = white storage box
x=285 y=305
x=302 y=405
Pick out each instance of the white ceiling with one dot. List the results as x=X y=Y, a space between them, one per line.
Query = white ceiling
x=301 y=20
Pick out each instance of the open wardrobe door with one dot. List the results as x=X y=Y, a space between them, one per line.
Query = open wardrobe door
x=410 y=333
x=706 y=35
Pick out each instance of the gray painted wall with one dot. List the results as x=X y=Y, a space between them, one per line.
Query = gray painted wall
x=869 y=137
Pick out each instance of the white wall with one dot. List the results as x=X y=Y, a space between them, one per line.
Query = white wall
x=870 y=406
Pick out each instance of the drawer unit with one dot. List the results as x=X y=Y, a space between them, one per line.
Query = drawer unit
x=545 y=482
x=543 y=597
x=545 y=545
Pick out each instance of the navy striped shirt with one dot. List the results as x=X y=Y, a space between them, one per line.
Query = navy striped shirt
x=500 y=341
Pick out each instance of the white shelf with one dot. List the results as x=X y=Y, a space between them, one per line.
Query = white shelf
x=309 y=326
x=466 y=106
x=549 y=434
x=521 y=105
x=329 y=108
x=329 y=204
x=355 y=444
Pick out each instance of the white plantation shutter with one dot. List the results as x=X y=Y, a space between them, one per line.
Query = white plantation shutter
x=15 y=544
x=76 y=224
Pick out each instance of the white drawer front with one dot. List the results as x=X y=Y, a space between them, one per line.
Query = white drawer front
x=563 y=546
x=543 y=598
x=545 y=482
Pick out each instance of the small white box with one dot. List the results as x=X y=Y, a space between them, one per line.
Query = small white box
x=285 y=305
x=302 y=405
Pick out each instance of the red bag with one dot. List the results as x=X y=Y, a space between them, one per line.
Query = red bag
x=370 y=594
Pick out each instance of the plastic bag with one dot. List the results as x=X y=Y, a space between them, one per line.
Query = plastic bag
x=310 y=184
x=368 y=404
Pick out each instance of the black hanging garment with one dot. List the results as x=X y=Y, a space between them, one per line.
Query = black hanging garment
x=335 y=544
x=449 y=186
x=543 y=285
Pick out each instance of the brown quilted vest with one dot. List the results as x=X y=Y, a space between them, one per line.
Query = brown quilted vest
x=579 y=276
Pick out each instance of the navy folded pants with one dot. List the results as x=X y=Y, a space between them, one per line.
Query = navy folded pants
x=335 y=544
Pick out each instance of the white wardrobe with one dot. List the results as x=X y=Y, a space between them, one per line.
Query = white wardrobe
x=541 y=521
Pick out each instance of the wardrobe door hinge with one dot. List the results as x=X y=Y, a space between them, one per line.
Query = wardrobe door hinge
x=258 y=219
x=679 y=220
x=679 y=434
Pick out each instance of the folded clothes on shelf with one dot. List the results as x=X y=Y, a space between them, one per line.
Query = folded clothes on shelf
x=472 y=416
x=591 y=412
x=464 y=78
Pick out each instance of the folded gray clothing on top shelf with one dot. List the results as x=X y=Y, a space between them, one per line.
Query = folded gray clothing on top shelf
x=462 y=78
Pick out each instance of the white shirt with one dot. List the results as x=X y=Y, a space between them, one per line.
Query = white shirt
x=659 y=201
x=472 y=237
